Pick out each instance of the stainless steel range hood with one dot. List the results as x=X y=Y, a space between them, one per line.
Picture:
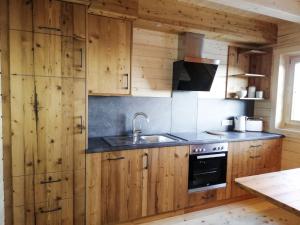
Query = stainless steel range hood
x=192 y=72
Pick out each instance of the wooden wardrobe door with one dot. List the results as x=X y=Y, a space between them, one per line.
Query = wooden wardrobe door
x=55 y=124
x=23 y=125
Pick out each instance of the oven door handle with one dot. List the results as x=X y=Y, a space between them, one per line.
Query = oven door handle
x=211 y=156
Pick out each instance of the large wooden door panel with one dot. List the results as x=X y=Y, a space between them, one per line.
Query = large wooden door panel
x=54 y=125
x=23 y=125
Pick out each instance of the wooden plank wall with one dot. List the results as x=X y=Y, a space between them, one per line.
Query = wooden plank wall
x=153 y=55
x=288 y=36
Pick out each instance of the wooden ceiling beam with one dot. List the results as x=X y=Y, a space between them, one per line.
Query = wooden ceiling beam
x=288 y=10
x=181 y=17
x=178 y=16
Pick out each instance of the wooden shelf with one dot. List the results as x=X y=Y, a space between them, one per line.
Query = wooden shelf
x=247 y=75
x=251 y=51
x=249 y=99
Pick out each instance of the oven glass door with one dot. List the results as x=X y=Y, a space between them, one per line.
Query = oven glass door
x=207 y=170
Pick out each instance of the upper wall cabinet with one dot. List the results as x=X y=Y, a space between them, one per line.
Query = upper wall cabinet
x=48 y=16
x=115 y=8
x=109 y=54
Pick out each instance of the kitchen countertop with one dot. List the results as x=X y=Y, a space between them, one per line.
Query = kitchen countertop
x=98 y=144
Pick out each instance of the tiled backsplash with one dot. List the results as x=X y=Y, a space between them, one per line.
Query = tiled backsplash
x=184 y=112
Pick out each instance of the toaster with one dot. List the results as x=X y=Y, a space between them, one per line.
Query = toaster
x=254 y=124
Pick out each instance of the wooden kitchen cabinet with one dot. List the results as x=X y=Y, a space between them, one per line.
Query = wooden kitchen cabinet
x=59 y=56
x=252 y=158
x=109 y=56
x=48 y=135
x=167 y=179
x=127 y=185
x=48 y=16
x=115 y=186
x=47 y=55
x=23 y=125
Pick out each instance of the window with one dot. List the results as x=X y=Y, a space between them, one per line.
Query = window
x=295 y=106
x=292 y=92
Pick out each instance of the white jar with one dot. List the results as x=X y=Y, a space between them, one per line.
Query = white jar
x=259 y=94
x=251 y=91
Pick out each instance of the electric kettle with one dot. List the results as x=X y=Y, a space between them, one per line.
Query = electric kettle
x=240 y=123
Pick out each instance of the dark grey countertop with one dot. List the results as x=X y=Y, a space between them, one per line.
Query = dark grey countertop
x=98 y=144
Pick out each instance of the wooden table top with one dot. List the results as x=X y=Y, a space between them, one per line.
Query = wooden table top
x=281 y=188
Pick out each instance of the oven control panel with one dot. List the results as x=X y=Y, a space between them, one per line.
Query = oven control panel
x=209 y=148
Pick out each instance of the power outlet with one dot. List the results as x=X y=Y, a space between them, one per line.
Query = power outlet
x=227 y=123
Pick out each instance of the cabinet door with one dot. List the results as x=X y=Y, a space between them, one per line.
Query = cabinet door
x=58 y=56
x=268 y=156
x=21 y=53
x=109 y=54
x=23 y=125
x=167 y=180
x=55 y=213
x=121 y=187
x=20 y=15
x=58 y=124
x=252 y=158
x=58 y=17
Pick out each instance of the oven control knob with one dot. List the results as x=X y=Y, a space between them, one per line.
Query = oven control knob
x=214 y=149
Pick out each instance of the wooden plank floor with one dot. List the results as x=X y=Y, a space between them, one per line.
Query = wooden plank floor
x=249 y=212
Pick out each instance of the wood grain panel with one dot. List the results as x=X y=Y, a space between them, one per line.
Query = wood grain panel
x=21 y=52
x=109 y=54
x=55 y=125
x=20 y=15
x=113 y=8
x=23 y=125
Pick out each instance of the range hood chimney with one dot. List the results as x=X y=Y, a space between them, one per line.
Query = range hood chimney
x=192 y=72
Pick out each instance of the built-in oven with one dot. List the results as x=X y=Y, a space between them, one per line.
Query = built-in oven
x=207 y=166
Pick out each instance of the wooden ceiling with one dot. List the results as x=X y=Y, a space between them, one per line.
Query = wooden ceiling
x=217 y=19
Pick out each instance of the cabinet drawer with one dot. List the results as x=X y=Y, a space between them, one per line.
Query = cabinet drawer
x=53 y=186
x=204 y=197
x=54 y=213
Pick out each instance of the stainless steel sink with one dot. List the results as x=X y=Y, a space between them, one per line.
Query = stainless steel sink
x=142 y=139
x=157 y=138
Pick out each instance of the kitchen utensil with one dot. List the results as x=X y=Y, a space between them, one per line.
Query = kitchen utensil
x=240 y=123
x=251 y=91
x=259 y=94
x=241 y=93
x=254 y=124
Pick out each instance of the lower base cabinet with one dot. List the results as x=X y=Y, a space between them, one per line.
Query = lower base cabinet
x=252 y=158
x=127 y=185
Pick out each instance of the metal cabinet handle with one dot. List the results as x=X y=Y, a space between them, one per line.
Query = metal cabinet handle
x=255 y=146
x=255 y=157
x=119 y=158
x=81 y=124
x=50 y=210
x=81 y=57
x=125 y=85
x=49 y=28
x=50 y=181
x=147 y=162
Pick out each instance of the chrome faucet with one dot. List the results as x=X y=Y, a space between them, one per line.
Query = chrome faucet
x=136 y=132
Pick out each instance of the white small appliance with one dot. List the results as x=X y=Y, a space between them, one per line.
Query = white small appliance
x=254 y=124
x=240 y=123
